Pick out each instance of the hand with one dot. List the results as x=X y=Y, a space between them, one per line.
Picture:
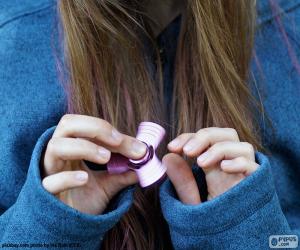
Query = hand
x=65 y=175
x=224 y=159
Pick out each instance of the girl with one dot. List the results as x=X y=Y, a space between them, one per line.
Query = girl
x=196 y=68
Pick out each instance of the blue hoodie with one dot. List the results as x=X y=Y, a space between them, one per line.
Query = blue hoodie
x=32 y=101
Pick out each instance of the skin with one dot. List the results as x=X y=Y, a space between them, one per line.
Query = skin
x=162 y=13
x=78 y=138
x=225 y=160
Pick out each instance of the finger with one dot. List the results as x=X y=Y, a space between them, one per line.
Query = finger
x=181 y=176
x=88 y=127
x=113 y=183
x=130 y=147
x=207 y=137
x=238 y=165
x=100 y=132
x=117 y=182
x=62 y=181
x=225 y=151
x=176 y=145
x=61 y=149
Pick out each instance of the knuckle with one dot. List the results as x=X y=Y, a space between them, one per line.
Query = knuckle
x=205 y=130
x=194 y=137
x=184 y=135
x=220 y=145
x=218 y=148
x=249 y=147
x=204 y=133
x=51 y=147
x=232 y=132
x=213 y=150
x=103 y=125
x=65 y=120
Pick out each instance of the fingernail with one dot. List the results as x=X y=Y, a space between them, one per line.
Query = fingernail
x=189 y=146
x=226 y=163
x=116 y=135
x=81 y=176
x=174 y=143
x=104 y=153
x=202 y=158
x=139 y=147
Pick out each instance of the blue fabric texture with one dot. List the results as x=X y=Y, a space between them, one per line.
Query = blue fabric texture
x=32 y=101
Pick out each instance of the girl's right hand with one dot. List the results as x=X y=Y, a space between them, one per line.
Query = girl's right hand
x=64 y=173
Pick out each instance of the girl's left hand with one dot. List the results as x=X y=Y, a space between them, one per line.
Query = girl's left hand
x=224 y=159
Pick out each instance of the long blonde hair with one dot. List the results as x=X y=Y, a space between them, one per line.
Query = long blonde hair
x=109 y=77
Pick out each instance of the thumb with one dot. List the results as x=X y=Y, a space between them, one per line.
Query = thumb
x=181 y=176
x=114 y=183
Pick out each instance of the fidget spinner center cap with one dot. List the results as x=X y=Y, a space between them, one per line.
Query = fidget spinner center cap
x=136 y=164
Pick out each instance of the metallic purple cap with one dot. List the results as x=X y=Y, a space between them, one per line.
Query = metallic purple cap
x=118 y=164
x=149 y=169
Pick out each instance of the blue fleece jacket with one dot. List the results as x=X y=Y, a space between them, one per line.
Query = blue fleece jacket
x=32 y=101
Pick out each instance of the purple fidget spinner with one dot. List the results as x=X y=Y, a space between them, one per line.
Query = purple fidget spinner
x=149 y=169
